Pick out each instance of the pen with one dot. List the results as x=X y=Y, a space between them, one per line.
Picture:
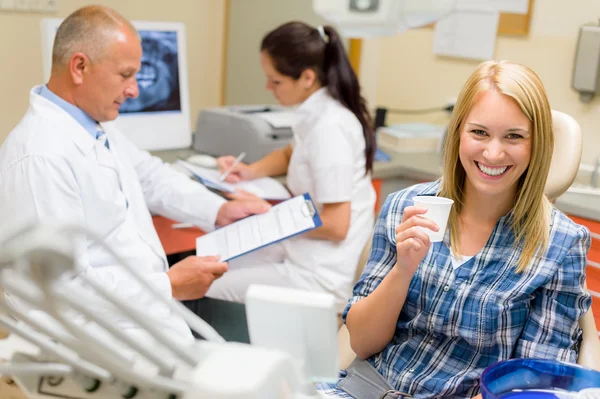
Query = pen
x=233 y=165
x=182 y=225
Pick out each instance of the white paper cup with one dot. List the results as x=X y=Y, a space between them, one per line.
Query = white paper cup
x=438 y=210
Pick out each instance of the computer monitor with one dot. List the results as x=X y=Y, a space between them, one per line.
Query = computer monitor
x=159 y=118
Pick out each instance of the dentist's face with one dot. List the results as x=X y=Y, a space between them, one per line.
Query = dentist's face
x=109 y=81
x=287 y=91
x=495 y=145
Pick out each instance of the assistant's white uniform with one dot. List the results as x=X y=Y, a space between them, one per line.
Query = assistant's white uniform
x=328 y=161
x=52 y=170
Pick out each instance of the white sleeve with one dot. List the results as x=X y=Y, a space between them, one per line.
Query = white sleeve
x=171 y=193
x=331 y=163
x=40 y=189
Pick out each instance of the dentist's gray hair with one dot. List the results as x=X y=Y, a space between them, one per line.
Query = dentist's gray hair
x=86 y=30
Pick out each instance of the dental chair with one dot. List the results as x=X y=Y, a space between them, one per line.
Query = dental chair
x=563 y=169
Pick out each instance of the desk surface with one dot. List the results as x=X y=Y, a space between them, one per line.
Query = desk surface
x=418 y=165
x=425 y=166
x=175 y=240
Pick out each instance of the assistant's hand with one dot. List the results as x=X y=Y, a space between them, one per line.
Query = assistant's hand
x=191 y=278
x=240 y=172
x=239 y=209
x=412 y=243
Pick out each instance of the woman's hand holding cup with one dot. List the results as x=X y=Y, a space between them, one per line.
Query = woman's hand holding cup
x=412 y=243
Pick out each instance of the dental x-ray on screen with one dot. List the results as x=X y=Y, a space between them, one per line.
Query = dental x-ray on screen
x=158 y=118
x=158 y=80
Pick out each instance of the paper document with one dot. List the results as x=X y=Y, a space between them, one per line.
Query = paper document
x=265 y=187
x=411 y=137
x=509 y=6
x=282 y=221
x=413 y=130
x=467 y=34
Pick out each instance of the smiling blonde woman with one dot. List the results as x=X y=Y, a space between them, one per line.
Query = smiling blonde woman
x=507 y=281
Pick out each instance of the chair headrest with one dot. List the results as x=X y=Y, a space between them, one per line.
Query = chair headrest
x=566 y=155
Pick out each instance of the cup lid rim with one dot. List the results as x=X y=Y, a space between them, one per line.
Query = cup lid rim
x=435 y=198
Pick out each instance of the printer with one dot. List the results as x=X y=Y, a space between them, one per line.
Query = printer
x=254 y=129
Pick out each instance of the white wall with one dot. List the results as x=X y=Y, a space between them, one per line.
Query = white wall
x=249 y=21
x=398 y=72
x=21 y=65
x=403 y=72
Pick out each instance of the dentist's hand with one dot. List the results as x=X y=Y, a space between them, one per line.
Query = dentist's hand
x=239 y=209
x=412 y=243
x=239 y=172
x=192 y=277
x=242 y=195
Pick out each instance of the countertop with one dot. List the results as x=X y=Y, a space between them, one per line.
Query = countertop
x=582 y=205
x=424 y=166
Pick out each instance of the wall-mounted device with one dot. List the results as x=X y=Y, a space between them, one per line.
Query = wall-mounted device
x=586 y=69
x=371 y=18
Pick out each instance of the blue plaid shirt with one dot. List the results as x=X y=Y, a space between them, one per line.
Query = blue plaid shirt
x=455 y=323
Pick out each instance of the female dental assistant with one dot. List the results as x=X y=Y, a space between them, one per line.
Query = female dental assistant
x=331 y=158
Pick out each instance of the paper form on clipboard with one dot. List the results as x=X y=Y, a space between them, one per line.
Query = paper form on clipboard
x=282 y=221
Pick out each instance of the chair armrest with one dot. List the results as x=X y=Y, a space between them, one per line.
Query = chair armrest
x=589 y=353
x=347 y=355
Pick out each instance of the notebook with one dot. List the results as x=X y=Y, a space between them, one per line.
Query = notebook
x=284 y=220
x=265 y=187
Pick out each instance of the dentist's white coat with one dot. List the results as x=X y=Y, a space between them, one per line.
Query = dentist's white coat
x=51 y=170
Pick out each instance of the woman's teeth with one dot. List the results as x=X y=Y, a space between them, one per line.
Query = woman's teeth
x=492 y=171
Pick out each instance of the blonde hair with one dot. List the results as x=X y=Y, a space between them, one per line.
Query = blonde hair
x=530 y=219
x=86 y=30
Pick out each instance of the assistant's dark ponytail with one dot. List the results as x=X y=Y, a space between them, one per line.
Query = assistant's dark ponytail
x=295 y=46
x=343 y=86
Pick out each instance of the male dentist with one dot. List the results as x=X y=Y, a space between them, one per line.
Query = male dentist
x=66 y=162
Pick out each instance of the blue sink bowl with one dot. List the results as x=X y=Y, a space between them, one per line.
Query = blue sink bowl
x=535 y=379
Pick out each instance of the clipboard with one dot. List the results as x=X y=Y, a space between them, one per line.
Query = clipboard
x=284 y=220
